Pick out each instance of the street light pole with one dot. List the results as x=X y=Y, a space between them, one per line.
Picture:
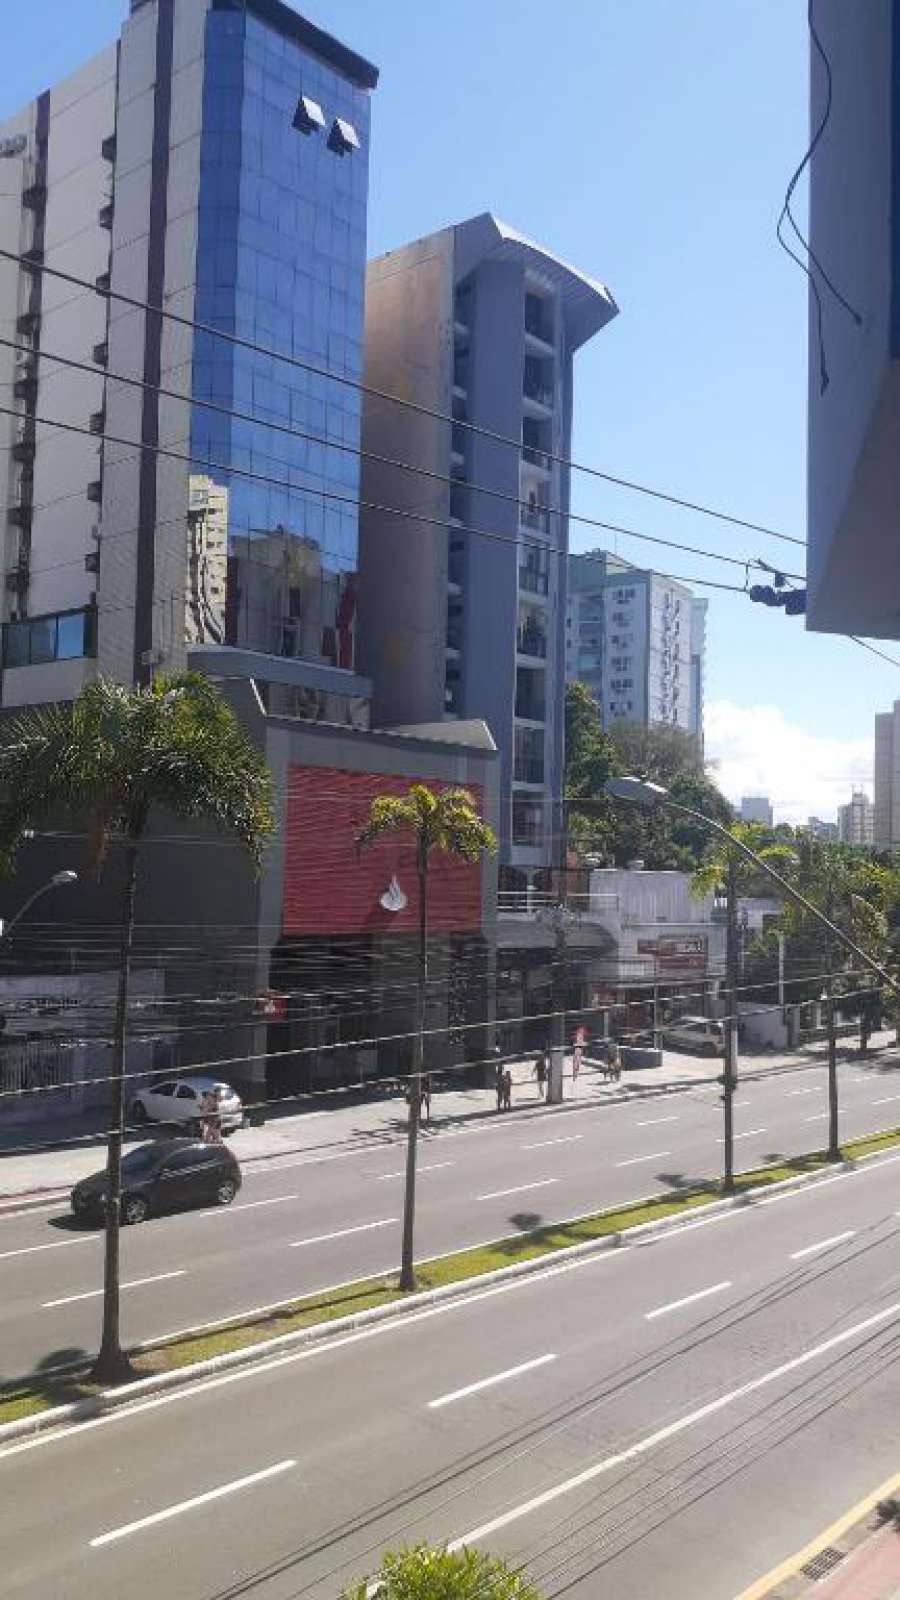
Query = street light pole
x=58 y=880
x=729 y=1076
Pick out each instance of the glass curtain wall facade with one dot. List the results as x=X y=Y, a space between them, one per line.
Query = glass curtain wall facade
x=281 y=261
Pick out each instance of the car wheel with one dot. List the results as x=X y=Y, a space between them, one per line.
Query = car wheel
x=134 y=1208
x=226 y=1191
x=139 y=1113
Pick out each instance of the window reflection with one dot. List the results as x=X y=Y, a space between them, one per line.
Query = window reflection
x=280 y=261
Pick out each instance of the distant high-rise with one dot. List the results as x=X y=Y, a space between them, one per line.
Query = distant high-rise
x=856 y=820
x=462 y=613
x=637 y=640
x=757 y=808
x=887 y=778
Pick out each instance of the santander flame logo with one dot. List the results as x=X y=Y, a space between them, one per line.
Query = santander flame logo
x=393 y=898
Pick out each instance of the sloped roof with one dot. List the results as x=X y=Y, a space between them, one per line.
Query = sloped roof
x=587 y=304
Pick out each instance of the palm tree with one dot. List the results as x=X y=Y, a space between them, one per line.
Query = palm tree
x=854 y=894
x=112 y=755
x=725 y=867
x=447 y=822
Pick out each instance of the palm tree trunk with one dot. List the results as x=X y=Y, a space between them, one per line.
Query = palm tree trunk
x=407 y=1271
x=111 y=1363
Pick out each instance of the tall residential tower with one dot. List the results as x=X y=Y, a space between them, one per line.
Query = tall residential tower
x=462 y=595
x=214 y=162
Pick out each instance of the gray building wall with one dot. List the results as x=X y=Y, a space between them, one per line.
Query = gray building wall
x=853 y=463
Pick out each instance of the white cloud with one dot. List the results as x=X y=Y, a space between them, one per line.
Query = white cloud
x=756 y=750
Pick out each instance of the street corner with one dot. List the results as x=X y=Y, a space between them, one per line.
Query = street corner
x=855 y=1558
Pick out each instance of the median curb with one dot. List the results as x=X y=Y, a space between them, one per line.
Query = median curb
x=110 y=1400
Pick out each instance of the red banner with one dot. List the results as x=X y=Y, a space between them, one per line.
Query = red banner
x=331 y=887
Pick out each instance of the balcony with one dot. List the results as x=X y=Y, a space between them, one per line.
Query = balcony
x=531 y=640
x=529 y=769
x=94 y=491
x=19 y=516
x=35 y=196
x=28 y=323
x=533 y=581
x=534 y=516
x=105 y=215
x=530 y=700
x=537 y=397
x=533 y=457
x=23 y=449
x=97 y=421
x=528 y=824
x=538 y=327
x=108 y=147
x=460 y=375
x=102 y=282
x=100 y=353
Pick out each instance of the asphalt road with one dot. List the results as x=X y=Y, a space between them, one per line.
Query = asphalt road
x=669 y=1418
x=307 y=1222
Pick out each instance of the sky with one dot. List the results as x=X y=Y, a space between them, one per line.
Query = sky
x=649 y=144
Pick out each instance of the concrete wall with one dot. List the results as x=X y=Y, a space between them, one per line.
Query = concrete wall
x=853 y=461
x=403 y=563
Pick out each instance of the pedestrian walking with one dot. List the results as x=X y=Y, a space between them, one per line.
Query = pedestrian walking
x=506 y=1090
x=210 y=1117
x=540 y=1072
x=498 y=1084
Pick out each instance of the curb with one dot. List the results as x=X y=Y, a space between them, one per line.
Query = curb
x=791 y=1580
x=467 y=1288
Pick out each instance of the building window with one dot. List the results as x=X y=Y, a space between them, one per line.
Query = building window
x=65 y=636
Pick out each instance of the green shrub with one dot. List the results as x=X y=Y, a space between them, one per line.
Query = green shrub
x=424 y=1573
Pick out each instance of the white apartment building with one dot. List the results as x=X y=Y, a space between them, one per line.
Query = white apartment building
x=637 y=640
x=757 y=808
x=856 y=820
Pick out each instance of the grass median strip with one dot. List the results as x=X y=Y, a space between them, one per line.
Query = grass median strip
x=39 y=1390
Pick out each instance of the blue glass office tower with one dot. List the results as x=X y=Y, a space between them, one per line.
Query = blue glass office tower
x=281 y=247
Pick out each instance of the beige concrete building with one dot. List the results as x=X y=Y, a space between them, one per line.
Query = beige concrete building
x=856 y=820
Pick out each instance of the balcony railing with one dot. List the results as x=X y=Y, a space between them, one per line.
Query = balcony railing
x=529 y=707
x=537 y=517
x=531 y=581
x=536 y=324
x=541 y=392
x=537 y=458
x=529 y=769
x=531 y=640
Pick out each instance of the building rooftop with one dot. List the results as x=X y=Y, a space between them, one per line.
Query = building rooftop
x=289 y=22
x=587 y=303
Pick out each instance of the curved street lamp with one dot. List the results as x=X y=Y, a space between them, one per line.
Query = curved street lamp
x=58 y=881
x=639 y=791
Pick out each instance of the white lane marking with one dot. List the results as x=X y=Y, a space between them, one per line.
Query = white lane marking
x=750 y=1134
x=192 y=1504
x=500 y=1194
x=653 y=1122
x=488 y=1383
x=818 y=1116
x=655 y=1155
x=568 y=1138
x=93 y=1294
x=823 y=1244
x=434 y=1166
x=59 y=1244
x=410 y=1320
x=344 y=1233
x=643 y=1446
x=816 y=1090
x=246 y=1205
x=687 y=1300
x=886 y=1101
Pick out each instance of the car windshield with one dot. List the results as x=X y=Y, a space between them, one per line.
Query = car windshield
x=142 y=1160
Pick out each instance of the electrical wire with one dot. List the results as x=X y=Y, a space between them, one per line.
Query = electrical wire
x=239 y=342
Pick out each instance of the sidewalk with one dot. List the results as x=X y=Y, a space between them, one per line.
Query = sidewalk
x=857 y=1558
x=31 y=1173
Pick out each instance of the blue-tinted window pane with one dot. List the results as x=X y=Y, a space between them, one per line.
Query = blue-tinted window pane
x=17 y=648
x=43 y=640
x=70 y=637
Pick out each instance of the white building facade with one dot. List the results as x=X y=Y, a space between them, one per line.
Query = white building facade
x=638 y=641
x=856 y=820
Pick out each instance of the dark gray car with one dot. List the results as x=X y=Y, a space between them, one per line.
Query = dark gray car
x=168 y=1176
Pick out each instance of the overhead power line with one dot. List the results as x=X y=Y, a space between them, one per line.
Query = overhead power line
x=363 y=455
x=359 y=387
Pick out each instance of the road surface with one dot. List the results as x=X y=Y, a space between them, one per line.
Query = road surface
x=307 y=1222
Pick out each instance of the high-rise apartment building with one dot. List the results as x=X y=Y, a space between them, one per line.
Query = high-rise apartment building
x=637 y=640
x=856 y=820
x=886 y=788
x=213 y=161
x=757 y=808
x=462 y=594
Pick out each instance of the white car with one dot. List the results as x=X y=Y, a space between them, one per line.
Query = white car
x=178 y=1101
x=700 y=1036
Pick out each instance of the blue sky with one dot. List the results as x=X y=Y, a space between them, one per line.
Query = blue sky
x=648 y=143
